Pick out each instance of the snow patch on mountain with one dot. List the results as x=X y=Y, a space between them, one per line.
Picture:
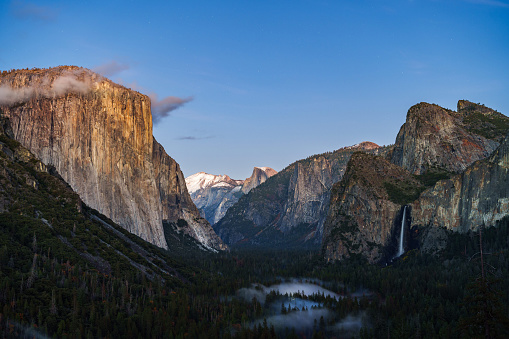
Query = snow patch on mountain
x=202 y=180
x=223 y=184
x=214 y=194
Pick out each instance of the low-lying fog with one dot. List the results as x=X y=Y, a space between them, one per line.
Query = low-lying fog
x=307 y=288
x=302 y=314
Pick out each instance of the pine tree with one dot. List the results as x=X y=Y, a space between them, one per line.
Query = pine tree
x=53 y=306
x=486 y=314
x=31 y=277
x=34 y=243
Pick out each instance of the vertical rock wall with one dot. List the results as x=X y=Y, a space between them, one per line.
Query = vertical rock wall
x=478 y=196
x=433 y=136
x=98 y=136
x=361 y=214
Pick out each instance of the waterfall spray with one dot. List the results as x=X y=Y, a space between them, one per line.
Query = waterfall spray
x=401 y=250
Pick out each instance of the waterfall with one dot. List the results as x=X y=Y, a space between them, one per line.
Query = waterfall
x=401 y=250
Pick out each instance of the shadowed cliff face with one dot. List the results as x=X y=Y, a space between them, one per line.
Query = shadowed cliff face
x=364 y=206
x=99 y=139
x=478 y=196
x=431 y=147
x=433 y=136
x=176 y=202
x=289 y=209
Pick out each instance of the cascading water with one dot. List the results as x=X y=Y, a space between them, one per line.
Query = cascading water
x=401 y=250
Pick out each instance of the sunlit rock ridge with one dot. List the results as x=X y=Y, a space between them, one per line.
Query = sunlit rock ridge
x=98 y=136
x=214 y=194
x=258 y=177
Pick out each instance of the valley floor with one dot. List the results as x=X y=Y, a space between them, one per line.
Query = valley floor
x=234 y=295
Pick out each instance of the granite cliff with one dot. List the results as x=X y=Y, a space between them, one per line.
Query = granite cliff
x=36 y=202
x=433 y=136
x=478 y=196
x=440 y=167
x=289 y=209
x=258 y=177
x=98 y=137
x=364 y=207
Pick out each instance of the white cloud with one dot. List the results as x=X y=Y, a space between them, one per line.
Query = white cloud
x=60 y=86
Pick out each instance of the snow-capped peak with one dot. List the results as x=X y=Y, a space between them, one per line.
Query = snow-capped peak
x=203 y=180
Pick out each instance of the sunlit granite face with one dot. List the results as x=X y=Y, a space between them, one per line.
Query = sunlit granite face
x=98 y=136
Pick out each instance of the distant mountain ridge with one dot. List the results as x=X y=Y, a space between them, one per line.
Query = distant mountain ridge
x=214 y=194
x=258 y=177
x=289 y=209
x=202 y=180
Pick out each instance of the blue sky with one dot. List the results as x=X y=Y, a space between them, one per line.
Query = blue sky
x=271 y=82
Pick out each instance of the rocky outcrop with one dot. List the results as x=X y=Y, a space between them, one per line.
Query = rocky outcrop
x=229 y=199
x=176 y=201
x=98 y=136
x=478 y=196
x=17 y=169
x=433 y=137
x=364 y=206
x=459 y=142
x=258 y=177
x=432 y=145
x=482 y=120
x=289 y=209
x=308 y=193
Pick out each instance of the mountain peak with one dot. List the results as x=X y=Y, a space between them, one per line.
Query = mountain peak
x=215 y=194
x=365 y=145
x=259 y=176
x=202 y=180
x=433 y=136
x=269 y=171
x=465 y=106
